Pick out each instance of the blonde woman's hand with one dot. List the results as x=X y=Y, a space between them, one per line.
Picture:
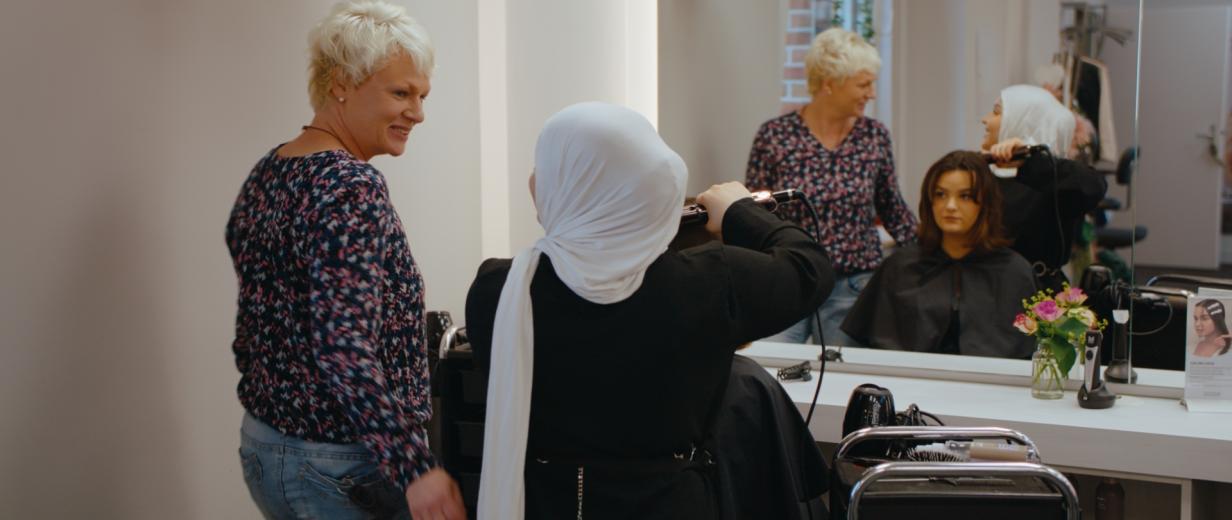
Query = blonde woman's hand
x=1003 y=151
x=717 y=199
x=435 y=496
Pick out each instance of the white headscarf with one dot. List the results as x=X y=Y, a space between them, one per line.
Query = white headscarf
x=609 y=193
x=1034 y=115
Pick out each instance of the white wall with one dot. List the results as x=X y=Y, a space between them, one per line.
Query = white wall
x=1184 y=65
x=952 y=58
x=129 y=128
x=720 y=71
x=562 y=52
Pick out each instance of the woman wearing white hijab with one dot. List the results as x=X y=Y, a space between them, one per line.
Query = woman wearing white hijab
x=1044 y=206
x=608 y=353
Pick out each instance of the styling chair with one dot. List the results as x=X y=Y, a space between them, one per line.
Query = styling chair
x=1112 y=238
x=463 y=389
x=907 y=479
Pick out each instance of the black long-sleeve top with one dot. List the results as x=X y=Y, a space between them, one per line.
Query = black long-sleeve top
x=638 y=379
x=1031 y=211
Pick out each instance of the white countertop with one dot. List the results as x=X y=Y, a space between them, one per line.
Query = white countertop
x=1143 y=435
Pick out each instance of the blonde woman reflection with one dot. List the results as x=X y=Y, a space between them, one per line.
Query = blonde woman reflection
x=1211 y=328
x=843 y=162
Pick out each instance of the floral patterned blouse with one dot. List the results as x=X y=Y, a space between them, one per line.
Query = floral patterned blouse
x=850 y=187
x=329 y=336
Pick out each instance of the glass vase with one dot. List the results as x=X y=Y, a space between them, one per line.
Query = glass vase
x=1047 y=380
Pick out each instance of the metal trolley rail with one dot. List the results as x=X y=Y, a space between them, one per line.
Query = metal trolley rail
x=1028 y=482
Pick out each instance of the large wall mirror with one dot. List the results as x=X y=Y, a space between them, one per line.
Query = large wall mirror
x=726 y=67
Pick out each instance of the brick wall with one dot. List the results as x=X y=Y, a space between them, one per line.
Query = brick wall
x=806 y=19
x=801 y=27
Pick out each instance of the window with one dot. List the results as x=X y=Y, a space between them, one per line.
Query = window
x=808 y=18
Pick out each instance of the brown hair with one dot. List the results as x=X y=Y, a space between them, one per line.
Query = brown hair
x=987 y=233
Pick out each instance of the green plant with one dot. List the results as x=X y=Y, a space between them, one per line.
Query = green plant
x=865 y=8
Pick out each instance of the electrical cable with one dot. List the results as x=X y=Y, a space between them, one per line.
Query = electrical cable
x=1117 y=288
x=821 y=373
x=1062 y=254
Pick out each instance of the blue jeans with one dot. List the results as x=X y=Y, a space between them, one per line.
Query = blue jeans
x=833 y=311
x=290 y=478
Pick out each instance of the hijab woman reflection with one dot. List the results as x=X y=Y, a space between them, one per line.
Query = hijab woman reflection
x=1044 y=201
x=1211 y=328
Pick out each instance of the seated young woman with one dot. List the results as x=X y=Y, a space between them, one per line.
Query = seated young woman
x=607 y=354
x=956 y=291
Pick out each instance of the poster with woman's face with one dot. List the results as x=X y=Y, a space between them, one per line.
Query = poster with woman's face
x=1208 y=364
x=1208 y=327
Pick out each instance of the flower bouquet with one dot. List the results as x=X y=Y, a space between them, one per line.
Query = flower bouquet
x=1059 y=323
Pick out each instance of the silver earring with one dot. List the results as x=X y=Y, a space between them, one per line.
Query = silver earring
x=341 y=100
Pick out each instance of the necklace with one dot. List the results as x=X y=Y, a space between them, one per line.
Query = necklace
x=319 y=129
x=330 y=134
x=345 y=148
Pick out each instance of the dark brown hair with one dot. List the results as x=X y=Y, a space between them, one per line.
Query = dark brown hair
x=987 y=233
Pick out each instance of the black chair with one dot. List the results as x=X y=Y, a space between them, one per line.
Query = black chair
x=1111 y=238
x=463 y=389
x=785 y=449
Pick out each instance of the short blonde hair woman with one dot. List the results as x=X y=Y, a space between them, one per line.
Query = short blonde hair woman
x=837 y=55
x=356 y=40
x=844 y=164
x=329 y=335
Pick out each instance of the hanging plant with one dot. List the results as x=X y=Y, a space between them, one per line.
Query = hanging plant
x=865 y=8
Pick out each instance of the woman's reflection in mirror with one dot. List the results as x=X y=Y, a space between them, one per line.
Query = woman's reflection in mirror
x=956 y=291
x=1045 y=196
x=842 y=161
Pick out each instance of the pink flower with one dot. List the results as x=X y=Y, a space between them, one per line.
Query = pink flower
x=1047 y=310
x=1071 y=297
x=1025 y=324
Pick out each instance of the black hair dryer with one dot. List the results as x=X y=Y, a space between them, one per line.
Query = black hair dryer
x=870 y=405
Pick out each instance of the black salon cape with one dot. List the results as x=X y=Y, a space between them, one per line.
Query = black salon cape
x=641 y=379
x=907 y=303
x=1035 y=199
x=771 y=467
